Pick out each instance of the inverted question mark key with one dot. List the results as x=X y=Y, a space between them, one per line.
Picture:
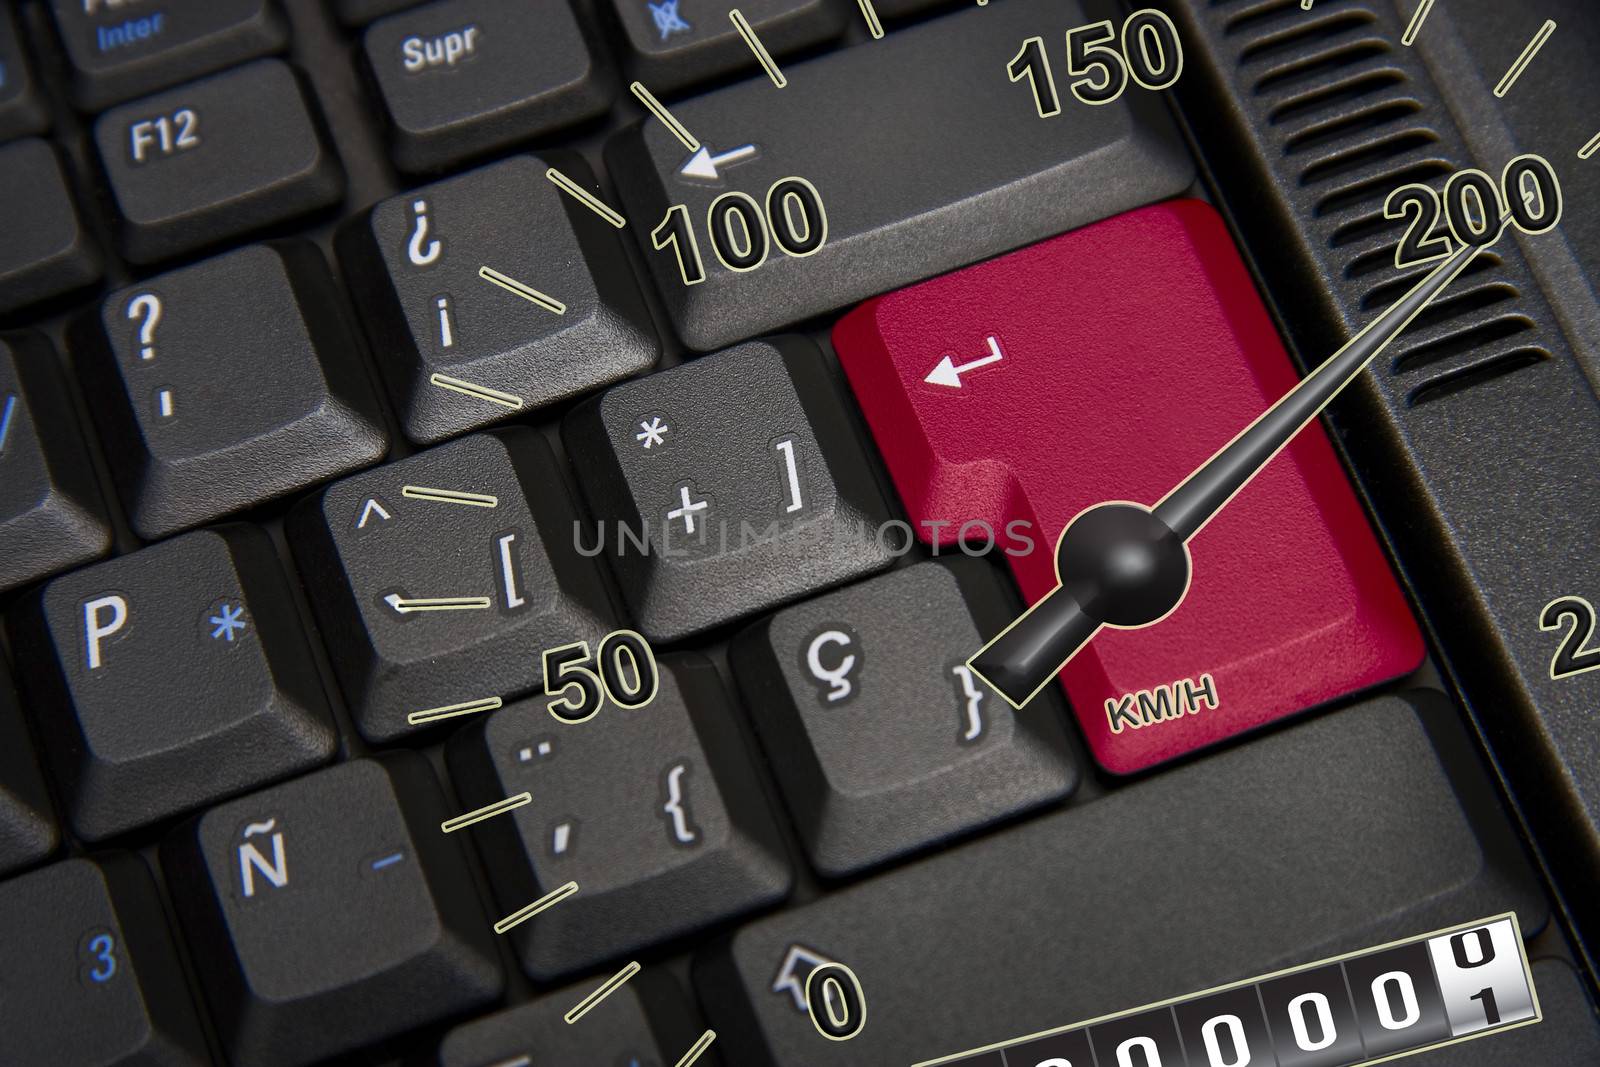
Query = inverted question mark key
x=204 y=411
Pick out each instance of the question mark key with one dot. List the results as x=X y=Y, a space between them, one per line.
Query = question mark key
x=204 y=410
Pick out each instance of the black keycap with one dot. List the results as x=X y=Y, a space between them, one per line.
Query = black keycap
x=917 y=174
x=883 y=739
x=614 y=1033
x=742 y=477
x=673 y=43
x=193 y=427
x=91 y=976
x=170 y=678
x=894 y=9
x=27 y=828
x=1567 y=1034
x=1452 y=432
x=46 y=251
x=22 y=106
x=214 y=159
x=51 y=513
x=1338 y=834
x=361 y=12
x=119 y=48
x=330 y=913
x=460 y=77
x=460 y=352
x=483 y=520
x=655 y=813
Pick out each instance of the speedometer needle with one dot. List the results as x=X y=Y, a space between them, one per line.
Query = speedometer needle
x=1125 y=565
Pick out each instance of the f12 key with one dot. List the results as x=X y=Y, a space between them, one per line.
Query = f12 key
x=1107 y=364
x=215 y=158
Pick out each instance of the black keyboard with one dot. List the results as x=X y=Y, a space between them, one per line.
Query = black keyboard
x=574 y=532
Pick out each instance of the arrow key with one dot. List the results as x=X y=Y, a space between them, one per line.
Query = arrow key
x=1291 y=603
x=948 y=373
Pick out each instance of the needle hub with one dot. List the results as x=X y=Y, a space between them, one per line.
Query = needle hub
x=1122 y=564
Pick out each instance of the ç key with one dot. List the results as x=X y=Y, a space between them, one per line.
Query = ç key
x=1010 y=396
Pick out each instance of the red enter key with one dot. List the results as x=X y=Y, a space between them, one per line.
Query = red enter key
x=1106 y=364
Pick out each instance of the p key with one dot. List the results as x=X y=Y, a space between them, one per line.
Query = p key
x=185 y=654
x=1012 y=395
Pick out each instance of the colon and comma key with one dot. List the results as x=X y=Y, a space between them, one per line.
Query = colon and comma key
x=655 y=813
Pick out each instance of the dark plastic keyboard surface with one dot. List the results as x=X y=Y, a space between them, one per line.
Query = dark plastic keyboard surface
x=374 y=373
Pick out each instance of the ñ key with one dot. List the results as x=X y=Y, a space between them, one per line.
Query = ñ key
x=329 y=913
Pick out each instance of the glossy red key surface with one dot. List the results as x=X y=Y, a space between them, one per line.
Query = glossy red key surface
x=1130 y=351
